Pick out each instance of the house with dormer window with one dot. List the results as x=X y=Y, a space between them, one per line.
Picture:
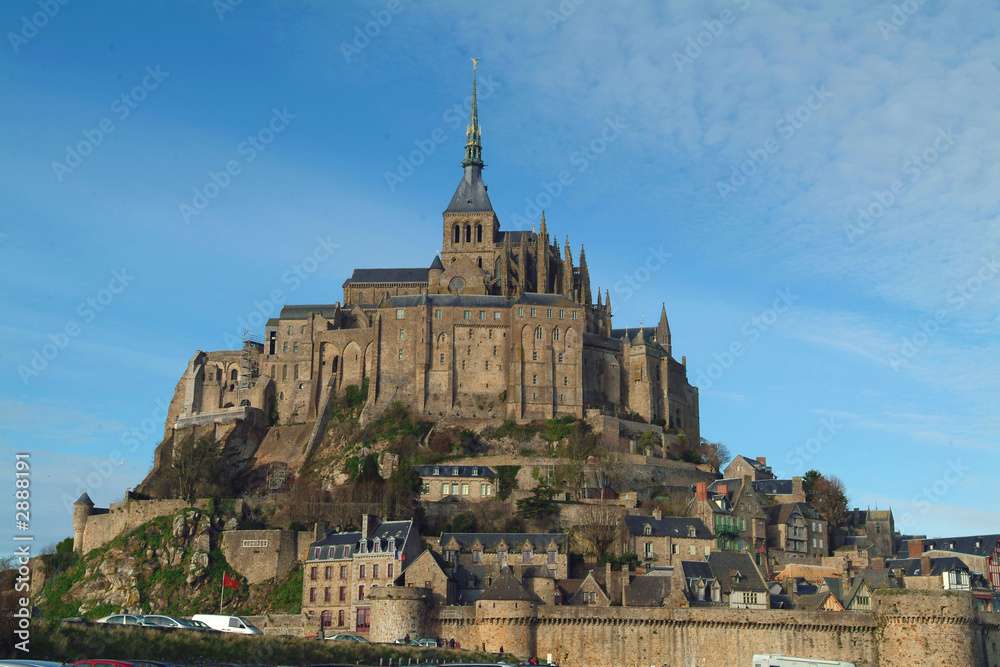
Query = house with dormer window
x=343 y=567
x=474 y=560
x=660 y=541
x=444 y=482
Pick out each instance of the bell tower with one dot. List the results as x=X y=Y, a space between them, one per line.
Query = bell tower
x=469 y=244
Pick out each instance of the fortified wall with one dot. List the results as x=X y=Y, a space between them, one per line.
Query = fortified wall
x=94 y=527
x=908 y=628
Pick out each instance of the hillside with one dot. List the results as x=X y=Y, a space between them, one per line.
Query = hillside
x=171 y=565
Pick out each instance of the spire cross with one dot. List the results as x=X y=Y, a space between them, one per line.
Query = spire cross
x=473 y=141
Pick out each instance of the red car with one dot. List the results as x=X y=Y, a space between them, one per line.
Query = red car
x=104 y=662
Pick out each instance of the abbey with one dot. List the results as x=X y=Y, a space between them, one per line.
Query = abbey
x=500 y=325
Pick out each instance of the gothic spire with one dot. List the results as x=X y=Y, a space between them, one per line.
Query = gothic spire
x=473 y=136
x=585 y=297
x=663 y=329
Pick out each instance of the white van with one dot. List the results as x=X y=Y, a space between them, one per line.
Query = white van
x=772 y=660
x=228 y=624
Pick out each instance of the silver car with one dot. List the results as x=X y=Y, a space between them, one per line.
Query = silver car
x=121 y=619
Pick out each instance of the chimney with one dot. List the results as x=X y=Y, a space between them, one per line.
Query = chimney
x=701 y=491
x=798 y=490
x=915 y=548
x=762 y=460
x=657 y=513
x=925 y=566
x=368 y=523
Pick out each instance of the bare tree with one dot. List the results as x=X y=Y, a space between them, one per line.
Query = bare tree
x=195 y=465
x=600 y=526
x=830 y=500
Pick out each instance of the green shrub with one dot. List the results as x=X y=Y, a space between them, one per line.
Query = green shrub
x=506 y=480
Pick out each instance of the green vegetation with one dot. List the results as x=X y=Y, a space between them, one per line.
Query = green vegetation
x=539 y=504
x=72 y=641
x=506 y=480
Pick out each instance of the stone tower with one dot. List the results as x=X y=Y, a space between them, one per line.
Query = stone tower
x=81 y=511
x=506 y=613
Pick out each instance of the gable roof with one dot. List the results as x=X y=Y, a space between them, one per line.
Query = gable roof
x=304 y=310
x=978 y=545
x=668 y=526
x=648 y=591
x=507 y=587
x=774 y=487
x=911 y=566
x=736 y=571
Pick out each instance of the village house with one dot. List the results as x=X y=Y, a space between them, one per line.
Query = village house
x=660 y=541
x=795 y=532
x=343 y=567
x=735 y=515
x=724 y=579
x=456 y=482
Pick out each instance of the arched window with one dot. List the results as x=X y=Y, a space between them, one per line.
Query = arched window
x=335 y=364
x=326 y=617
x=456 y=234
x=538 y=333
x=555 y=334
x=468 y=233
x=233 y=375
x=479 y=262
x=479 y=233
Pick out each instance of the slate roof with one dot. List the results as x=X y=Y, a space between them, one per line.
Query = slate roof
x=696 y=569
x=335 y=545
x=470 y=195
x=436 y=264
x=539 y=541
x=773 y=487
x=754 y=463
x=303 y=311
x=536 y=299
x=648 y=591
x=388 y=276
x=668 y=526
x=964 y=545
x=782 y=512
x=726 y=564
x=507 y=587
x=84 y=499
x=911 y=566
x=454 y=471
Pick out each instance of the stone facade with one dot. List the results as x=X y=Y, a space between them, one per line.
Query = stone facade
x=661 y=541
x=906 y=629
x=342 y=570
x=94 y=527
x=456 y=482
x=260 y=555
x=502 y=324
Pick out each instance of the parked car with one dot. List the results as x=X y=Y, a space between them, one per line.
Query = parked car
x=224 y=623
x=162 y=621
x=30 y=663
x=199 y=625
x=424 y=641
x=348 y=638
x=121 y=619
x=104 y=662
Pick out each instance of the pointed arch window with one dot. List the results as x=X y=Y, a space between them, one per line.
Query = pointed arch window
x=538 y=333
x=456 y=234
x=468 y=233
x=479 y=233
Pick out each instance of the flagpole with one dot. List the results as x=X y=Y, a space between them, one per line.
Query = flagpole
x=222 y=591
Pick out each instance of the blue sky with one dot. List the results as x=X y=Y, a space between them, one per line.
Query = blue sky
x=810 y=187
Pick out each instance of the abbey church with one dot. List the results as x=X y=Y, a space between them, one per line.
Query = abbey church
x=500 y=325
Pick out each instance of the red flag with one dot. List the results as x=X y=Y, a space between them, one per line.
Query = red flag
x=229 y=582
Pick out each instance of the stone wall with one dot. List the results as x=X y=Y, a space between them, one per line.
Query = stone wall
x=908 y=628
x=293 y=625
x=260 y=555
x=124 y=516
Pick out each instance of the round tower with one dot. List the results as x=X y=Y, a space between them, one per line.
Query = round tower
x=397 y=611
x=81 y=511
x=505 y=614
x=931 y=627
